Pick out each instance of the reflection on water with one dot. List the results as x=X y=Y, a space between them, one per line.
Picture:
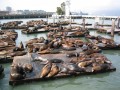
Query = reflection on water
x=23 y=37
x=2 y=76
x=103 y=81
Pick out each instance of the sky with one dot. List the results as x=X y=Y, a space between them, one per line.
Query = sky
x=89 y=6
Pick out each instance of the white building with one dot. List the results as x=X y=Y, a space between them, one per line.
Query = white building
x=67 y=8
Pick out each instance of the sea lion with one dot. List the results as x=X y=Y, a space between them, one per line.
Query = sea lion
x=73 y=68
x=56 y=44
x=44 y=47
x=100 y=67
x=30 y=48
x=21 y=46
x=63 y=69
x=96 y=67
x=46 y=70
x=74 y=54
x=28 y=68
x=56 y=60
x=54 y=70
x=46 y=51
x=46 y=41
x=84 y=64
x=67 y=47
x=18 y=53
x=17 y=72
x=41 y=39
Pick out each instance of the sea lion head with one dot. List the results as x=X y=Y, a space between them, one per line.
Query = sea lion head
x=28 y=68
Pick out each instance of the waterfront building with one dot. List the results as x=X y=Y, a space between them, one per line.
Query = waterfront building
x=2 y=13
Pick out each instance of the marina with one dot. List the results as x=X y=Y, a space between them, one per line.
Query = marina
x=59 y=45
x=113 y=55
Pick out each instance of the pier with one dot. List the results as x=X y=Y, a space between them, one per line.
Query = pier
x=17 y=16
x=86 y=16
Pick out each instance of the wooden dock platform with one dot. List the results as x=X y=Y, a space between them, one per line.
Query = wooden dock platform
x=115 y=31
x=38 y=65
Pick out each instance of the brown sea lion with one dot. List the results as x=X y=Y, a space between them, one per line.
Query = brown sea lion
x=96 y=67
x=17 y=53
x=21 y=46
x=56 y=44
x=54 y=70
x=74 y=54
x=30 y=48
x=28 y=67
x=100 y=67
x=46 y=70
x=84 y=64
x=17 y=72
x=46 y=51
x=67 y=47
x=41 y=40
x=43 y=48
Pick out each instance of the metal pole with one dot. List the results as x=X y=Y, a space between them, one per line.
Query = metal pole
x=103 y=21
x=70 y=21
x=53 y=20
x=118 y=22
x=113 y=28
x=83 y=23
x=46 y=17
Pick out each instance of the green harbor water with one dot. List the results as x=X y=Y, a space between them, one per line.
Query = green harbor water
x=103 y=81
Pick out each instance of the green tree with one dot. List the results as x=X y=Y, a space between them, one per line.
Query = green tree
x=59 y=11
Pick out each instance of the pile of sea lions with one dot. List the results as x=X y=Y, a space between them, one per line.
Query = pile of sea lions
x=76 y=32
x=8 y=48
x=59 y=54
x=76 y=64
x=49 y=45
x=102 y=31
x=54 y=27
x=8 y=33
x=32 y=23
x=12 y=25
x=84 y=63
x=103 y=43
x=19 y=71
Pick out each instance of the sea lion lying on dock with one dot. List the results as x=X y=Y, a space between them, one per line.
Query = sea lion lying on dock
x=73 y=68
x=99 y=67
x=28 y=68
x=54 y=70
x=17 y=72
x=84 y=64
x=45 y=70
x=74 y=54
x=56 y=60
x=67 y=47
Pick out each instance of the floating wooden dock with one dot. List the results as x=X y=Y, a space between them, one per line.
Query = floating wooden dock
x=38 y=65
x=38 y=31
x=108 y=47
x=6 y=59
x=115 y=31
